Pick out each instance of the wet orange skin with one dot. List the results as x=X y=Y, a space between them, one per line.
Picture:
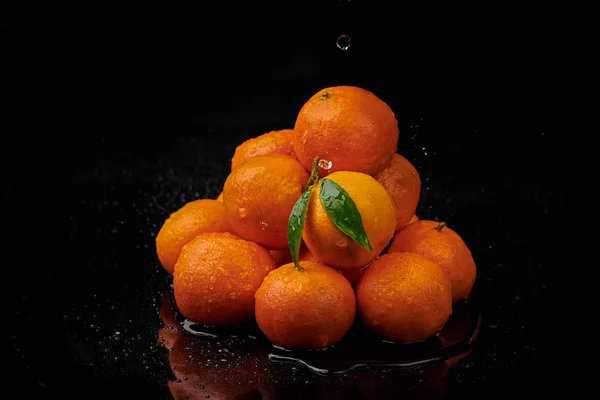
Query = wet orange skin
x=259 y=195
x=349 y=126
x=194 y=218
x=279 y=142
x=402 y=182
x=445 y=248
x=216 y=277
x=308 y=309
x=404 y=297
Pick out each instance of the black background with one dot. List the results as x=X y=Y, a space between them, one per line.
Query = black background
x=118 y=115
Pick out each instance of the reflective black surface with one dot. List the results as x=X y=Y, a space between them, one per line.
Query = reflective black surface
x=120 y=116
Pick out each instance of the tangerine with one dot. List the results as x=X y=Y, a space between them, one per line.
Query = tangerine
x=349 y=126
x=402 y=182
x=311 y=308
x=216 y=276
x=329 y=244
x=194 y=218
x=404 y=297
x=280 y=142
x=259 y=196
x=439 y=243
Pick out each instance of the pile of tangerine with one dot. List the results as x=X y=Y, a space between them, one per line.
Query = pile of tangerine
x=296 y=239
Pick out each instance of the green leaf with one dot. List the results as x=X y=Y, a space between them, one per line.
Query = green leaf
x=343 y=212
x=296 y=226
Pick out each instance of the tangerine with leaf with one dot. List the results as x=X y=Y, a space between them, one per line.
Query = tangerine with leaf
x=349 y=220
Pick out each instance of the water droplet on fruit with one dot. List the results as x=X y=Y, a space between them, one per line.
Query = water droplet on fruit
x=343 y=42
x=325 y=164
x=342 y=243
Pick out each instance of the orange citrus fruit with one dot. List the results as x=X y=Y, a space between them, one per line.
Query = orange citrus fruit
x=311 y=308
x=280 y=142
x=437 y=242
x=403 y=184
x=349 y=126
x=216 y=276
x=332 y=246
x=259 y=195
x=404 y=297
x=220 y=197
x=194 y=218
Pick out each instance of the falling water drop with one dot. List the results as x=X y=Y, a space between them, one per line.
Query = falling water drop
x=343 y=42
x=325 y=164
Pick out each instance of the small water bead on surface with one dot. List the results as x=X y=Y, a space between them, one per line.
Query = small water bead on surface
x=325 y=164
x=343 y=42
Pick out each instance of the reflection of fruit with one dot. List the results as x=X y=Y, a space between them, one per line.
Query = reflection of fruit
x=237 y=368
x=194 y=218
x=216 y=276
x=331 y=245
x=349 y=126
x=459 y=328
x=404 y=297
x=402 y=182
x=443 y=246
x=280 y=142
x=310 y=308
x=203 y=370
x=259 y=195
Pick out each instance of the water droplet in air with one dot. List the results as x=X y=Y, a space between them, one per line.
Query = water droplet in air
x=343 y=42
x=325 y=164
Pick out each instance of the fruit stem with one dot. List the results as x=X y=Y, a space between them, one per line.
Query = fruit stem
x=297 y=266
x=314 y=174
x=324 y=96
x=440 y=226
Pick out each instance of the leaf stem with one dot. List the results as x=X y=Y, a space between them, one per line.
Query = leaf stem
x=314 y=174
